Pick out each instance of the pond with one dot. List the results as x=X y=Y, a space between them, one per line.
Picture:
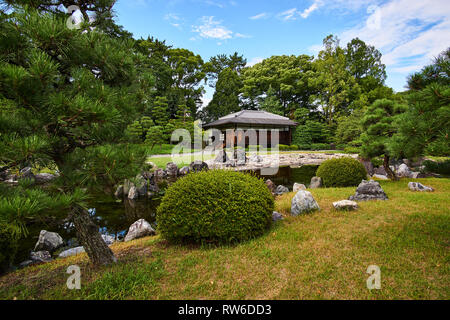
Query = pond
x=114 y=217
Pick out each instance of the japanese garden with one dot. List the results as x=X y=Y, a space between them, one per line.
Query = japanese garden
x=299 y=173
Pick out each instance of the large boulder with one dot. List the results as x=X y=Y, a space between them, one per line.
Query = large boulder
x=369 y=190
x=303 y=202
x=281 y=190
x=403 y=171
x=197 y=166
x=139 y=229
x=416 y=186
x=171 y=169
x=271 y=185
x=316 y=182
x=48 y=241
x=345 y=205
x=298 y=187
x=222 y=157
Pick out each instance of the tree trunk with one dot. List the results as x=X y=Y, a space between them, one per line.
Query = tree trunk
x=89 y=237
x=390 y=173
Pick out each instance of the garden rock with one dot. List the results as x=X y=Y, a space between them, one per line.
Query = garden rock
x=139 y=229
x=299 y=186
x=404 y=171
x=369 y=190
x=316 y=182
x=276 y=216
x=160 y=174
x=184 y=171
x=109 y=240
x=171 y=169
x=42 y=178
x=345 y=205
x=48 y=241
x=40 y=256
x=380 y=170
x=26 y=173
x=303 y=202
x=368 y=166
x=281 y=190
x=133 y=193
x=197 y=166
x=416 y=186
x=71 y=252
x=271 y=186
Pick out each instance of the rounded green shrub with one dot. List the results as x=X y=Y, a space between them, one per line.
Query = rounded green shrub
x=215 y=206
x=341 y=172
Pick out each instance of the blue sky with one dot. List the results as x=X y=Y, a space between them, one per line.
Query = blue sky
x=409 y=33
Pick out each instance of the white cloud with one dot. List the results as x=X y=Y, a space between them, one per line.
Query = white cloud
x=174 y=20
x=212 y=29
x=409 y=33
x=254 y=61
x=240 y=35
x=263 y=15
x=290 y=14
x=309 y=10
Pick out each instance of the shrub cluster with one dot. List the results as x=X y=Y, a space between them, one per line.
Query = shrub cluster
x=342 y=172
x=216 y=206
x=439 y=167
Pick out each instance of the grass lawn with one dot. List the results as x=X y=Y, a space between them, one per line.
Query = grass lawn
x=323 y=255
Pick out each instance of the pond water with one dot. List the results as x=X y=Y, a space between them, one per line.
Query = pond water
x=114 y=217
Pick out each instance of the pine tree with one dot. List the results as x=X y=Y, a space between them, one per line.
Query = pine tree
x=159 y=111
x=73 y=94
x=424 y=129
x=378 y=128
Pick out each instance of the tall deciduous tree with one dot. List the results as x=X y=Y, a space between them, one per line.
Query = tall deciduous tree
x=336 y=86
x=287 y=76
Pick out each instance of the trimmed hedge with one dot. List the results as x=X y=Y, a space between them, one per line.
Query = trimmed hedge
x=216 y=206
x=341 y=172
x=439 y=167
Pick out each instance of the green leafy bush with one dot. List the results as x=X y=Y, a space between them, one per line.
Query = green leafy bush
x=440 y=167
x=283 y=147
x=294 y=147
x=342 y=172
x=216 y=206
